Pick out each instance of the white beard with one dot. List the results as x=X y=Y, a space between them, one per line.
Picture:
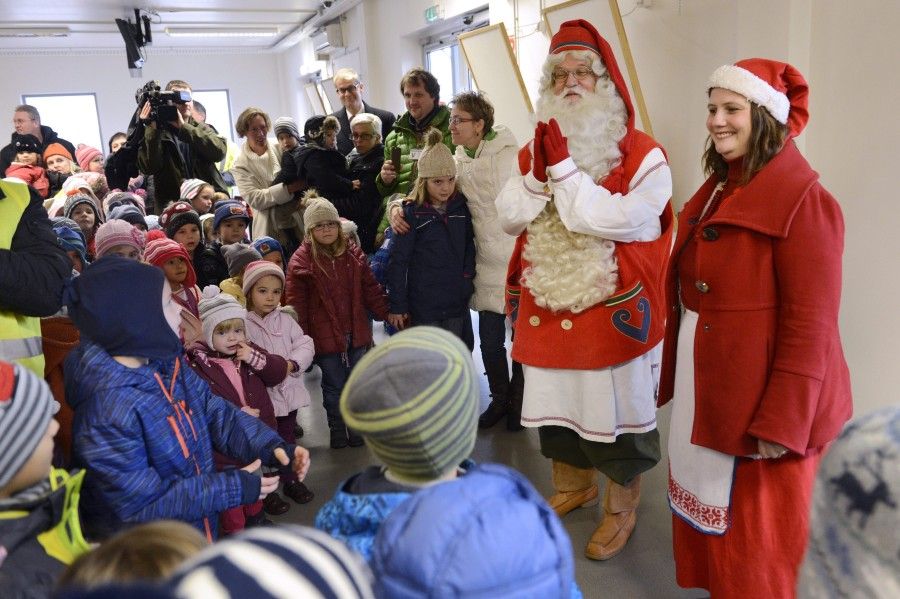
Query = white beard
x=573 y=271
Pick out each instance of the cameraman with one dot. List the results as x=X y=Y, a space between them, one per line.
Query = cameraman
x=179 y=149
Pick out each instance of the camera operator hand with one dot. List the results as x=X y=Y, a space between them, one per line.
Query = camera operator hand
x=144 y=115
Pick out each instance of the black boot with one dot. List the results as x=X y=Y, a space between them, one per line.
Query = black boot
x=516 y=389
x=338 y=430
x=497 y=371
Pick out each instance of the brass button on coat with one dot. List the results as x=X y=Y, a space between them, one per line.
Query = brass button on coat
x=534 y=321
x=566 y=324
x=702 y=286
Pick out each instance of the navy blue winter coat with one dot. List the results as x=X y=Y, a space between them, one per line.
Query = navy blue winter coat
x=431 y=268
x=147 y=459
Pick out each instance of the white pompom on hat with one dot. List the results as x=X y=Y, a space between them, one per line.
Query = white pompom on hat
x=776 y=86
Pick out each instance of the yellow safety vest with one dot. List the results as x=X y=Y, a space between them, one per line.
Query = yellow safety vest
x=20 y=336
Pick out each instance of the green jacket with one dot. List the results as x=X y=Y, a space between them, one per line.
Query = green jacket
x=159 y=156
x=405 y=137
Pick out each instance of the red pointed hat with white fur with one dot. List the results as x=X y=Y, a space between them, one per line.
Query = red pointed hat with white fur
x=581 y=35
x=776 y=86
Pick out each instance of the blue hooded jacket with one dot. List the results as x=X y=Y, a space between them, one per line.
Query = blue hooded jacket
x=486 y=534
x=148 y=457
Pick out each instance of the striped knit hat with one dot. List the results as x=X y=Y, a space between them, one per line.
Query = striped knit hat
x=285 y=562
x=285 y=124
x=415 y=400
x=117 y=232
x=26 y=407
x=257 y=270
x=76 y=199
x=158 y=251
x=216 y=307
x=191 y=187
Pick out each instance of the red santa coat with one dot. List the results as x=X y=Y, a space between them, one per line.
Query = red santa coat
x=768 y=361
x=629 y=323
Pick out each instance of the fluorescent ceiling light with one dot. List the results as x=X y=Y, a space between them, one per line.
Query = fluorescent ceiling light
x=34 y=31
x=222 y=31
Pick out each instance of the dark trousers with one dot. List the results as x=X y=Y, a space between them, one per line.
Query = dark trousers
x=630 y=454
x=285 y=427
x=461 y=326
x=492 y=334
x=335 y=372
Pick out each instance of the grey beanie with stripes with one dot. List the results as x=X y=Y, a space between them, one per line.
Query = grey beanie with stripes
x=26 y=408
x=415 y=400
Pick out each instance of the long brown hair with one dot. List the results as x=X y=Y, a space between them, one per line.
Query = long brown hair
x=766 y=139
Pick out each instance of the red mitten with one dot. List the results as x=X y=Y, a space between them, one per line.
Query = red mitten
x=538 y=160
x=556 y=147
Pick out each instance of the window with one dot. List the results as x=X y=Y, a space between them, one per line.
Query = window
x=74 y=117
x=218 y=110
x=446 y=62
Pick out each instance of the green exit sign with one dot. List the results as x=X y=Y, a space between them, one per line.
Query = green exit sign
x=432 y=13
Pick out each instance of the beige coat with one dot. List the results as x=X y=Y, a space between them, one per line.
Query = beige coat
x=253 y=175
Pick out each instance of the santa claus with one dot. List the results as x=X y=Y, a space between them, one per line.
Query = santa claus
x=594 y=224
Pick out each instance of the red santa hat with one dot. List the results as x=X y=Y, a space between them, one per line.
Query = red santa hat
x=776 y=86
x=580 y=35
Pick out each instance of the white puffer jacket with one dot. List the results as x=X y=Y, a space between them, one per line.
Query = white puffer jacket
x=481 y=179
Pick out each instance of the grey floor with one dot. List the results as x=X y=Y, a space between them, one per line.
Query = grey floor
x=644 y=569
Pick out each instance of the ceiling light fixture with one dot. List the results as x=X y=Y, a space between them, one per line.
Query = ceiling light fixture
x=222 y=32
x=34 y=32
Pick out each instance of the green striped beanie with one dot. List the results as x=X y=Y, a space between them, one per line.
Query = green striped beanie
x=415 y=400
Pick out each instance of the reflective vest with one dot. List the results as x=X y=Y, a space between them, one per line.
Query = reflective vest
x=20 y=336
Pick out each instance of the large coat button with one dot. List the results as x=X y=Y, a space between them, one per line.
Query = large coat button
x=710 y=233
x=566 y=324
x=702 y=286
x=534 y=321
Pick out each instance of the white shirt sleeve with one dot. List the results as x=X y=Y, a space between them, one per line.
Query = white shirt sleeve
x=585 y=207
x=520 y=201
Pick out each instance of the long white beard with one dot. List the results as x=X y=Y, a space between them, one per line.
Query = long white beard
x=573 y=271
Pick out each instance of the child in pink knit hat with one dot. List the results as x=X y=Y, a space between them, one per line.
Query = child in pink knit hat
x=119 y=238
x=89 y=159
x=277 y=333
x=173 y=259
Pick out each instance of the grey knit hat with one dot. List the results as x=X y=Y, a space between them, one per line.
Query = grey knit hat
x=216 y=307
x=854 y=528
x=436 y=159
x=26 y=407
x=76 y=200
x=237 y=256
x=318 y=211
x=415 y=400
x=285 y=124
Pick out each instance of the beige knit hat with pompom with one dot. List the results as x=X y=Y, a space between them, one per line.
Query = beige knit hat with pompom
x=436 y=159
x=318 y=210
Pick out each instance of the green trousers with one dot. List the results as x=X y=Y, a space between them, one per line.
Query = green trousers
x=630 y=454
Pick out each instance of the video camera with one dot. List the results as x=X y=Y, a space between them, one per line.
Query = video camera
x=163 y=107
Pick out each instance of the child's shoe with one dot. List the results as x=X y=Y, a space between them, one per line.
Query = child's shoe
x=274 y=505
x=298 y=492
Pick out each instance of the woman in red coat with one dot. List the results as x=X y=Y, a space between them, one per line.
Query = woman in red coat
x=752 y=353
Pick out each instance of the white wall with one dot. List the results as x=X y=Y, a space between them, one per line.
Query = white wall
x=251 y=79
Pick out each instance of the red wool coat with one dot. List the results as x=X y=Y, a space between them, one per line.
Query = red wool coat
x=768 y=362
x=310 y=291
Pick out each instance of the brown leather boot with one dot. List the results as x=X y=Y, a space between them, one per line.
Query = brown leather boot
x=619 y=517
x=575 y=487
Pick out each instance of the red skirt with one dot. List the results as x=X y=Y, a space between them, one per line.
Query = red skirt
x=761 y=553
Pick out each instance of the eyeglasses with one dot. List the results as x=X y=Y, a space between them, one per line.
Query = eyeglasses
x=581 y=73
x=361 y=136
x=346 y=90
x=324 y=226
x=455 y=120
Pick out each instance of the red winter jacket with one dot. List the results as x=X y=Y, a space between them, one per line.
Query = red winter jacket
x=768 y=362
x=309 y=290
